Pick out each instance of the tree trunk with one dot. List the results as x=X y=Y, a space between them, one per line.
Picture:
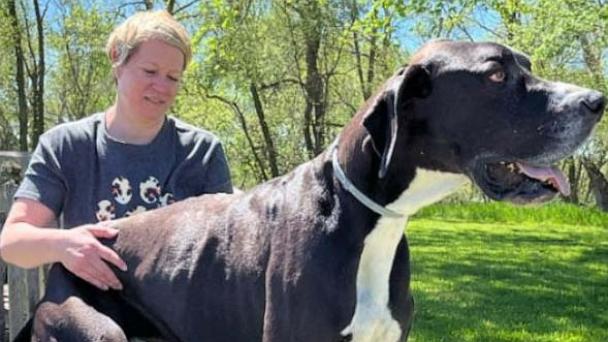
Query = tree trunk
x=39 y=129
x=271 y=152
x=313 y=84
x=36 y=75
x=306 y=130
x=170 y=6
x=573 y=170
x=598 y=183
x=314 y=91
x=313 y=87
x=371 y=63
x=365 y=88
x=19 y=77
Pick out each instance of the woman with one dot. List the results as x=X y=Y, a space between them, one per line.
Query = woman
x=130 y=158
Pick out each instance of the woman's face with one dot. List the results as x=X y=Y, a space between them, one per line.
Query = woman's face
x=148 y=82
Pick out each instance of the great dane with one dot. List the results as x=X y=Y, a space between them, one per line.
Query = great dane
x=319 y=255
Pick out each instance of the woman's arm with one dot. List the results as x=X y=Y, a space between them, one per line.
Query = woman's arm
x=26 y=242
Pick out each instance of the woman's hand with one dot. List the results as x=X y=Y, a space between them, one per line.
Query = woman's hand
x=86 y=257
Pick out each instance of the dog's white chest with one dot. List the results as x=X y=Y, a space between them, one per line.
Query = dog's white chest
x=372 y=320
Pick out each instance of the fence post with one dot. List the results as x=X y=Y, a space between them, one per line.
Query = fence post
x=24 y=286
x=2 y=277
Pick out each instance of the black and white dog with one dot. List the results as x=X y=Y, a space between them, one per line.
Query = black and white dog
x=319 y=254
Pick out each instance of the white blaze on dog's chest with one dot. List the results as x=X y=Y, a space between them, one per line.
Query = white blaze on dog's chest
x=372 y=320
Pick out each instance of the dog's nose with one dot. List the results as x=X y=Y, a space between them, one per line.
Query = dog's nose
x=593 y=103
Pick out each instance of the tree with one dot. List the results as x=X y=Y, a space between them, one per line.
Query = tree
x=81 y=77
x=19 y=74
x=598 y=183
x=36 y=73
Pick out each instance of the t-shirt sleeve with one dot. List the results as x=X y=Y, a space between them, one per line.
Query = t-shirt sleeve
x=217 y=172
x=43 y=180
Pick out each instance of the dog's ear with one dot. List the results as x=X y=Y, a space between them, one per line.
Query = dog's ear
x=382 y=118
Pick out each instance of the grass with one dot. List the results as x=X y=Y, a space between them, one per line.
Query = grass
x=503 y=212
x=528 y=277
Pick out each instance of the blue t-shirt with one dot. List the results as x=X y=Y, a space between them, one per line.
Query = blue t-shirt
x=79 y=170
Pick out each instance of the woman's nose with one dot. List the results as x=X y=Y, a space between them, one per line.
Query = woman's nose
x=163 y=84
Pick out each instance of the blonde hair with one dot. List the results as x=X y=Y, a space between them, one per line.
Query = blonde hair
x=144 y=26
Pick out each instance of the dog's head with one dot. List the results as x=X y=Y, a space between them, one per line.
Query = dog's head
x=476 y=109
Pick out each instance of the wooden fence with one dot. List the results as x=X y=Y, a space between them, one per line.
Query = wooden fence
x=22 y=288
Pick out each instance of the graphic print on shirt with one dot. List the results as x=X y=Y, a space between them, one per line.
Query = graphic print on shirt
x=123 y=203
x=121 y=190
x=139 y=209
x=105 y=211
x=150 y=190
x=166 y=199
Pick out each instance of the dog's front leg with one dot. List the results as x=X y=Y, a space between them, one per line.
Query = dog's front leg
x=276 y=311
x=65 y=312
x=300 y=309
x=74 y=321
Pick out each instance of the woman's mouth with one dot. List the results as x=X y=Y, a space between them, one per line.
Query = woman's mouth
x=155 y=100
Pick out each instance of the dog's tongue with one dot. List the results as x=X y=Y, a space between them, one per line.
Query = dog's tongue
x=551 y=174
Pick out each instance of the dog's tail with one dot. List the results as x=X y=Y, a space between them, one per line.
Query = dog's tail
x=25 y=334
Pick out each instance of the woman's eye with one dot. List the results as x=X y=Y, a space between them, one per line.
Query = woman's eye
x=498 y=76
x=173 y=79
x=149 y=71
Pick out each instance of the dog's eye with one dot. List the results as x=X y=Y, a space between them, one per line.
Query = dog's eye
x=497 y=76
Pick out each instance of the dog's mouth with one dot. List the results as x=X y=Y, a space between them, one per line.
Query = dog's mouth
x=520 y=182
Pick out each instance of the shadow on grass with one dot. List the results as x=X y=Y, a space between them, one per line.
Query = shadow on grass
x=488 y=283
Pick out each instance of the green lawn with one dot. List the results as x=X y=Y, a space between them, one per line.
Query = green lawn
x=536 y=280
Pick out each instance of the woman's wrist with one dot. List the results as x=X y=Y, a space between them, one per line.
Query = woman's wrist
x=56 y=244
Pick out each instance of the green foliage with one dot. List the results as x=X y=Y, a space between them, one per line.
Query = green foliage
x=510 y=281
x=264 y=43
x=81 y=75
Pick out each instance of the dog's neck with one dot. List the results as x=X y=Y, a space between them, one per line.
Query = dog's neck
x=418 y=187
x=426 y=188
x=405 y=189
